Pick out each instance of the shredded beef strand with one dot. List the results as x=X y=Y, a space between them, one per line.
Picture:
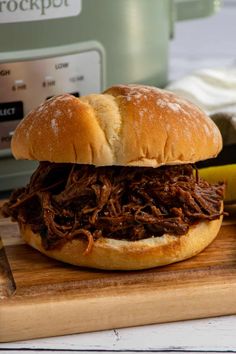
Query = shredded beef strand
x=66 y=201
x=89 y=237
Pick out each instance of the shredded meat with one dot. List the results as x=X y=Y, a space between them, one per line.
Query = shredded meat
x=66 y=201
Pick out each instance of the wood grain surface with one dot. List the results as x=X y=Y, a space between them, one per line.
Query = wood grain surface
x=41 y=297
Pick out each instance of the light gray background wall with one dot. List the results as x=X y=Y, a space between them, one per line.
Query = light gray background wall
x=201 y=43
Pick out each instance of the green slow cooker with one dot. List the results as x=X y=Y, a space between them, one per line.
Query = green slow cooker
x=48 y=47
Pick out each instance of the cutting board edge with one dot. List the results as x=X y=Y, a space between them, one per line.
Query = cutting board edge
x=105 y=312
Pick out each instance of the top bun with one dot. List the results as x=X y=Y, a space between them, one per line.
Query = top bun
x=128 y=125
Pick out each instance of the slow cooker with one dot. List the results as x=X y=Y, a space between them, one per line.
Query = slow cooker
x=49 y=47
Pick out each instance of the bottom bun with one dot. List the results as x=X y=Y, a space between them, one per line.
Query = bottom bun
x=114 y=254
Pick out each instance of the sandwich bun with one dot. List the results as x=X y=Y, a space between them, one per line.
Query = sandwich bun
x=113 y=254
x=127 y=125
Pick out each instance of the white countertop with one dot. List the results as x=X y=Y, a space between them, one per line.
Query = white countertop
x=207 y=335
x=199 y=44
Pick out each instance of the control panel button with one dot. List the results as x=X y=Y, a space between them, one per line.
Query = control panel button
x=19 y=85
x=6 y=132
x=11 y=111
x=49 y=81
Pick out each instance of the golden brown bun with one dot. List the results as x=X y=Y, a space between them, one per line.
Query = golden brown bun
x=129 y=125
x=131 y=255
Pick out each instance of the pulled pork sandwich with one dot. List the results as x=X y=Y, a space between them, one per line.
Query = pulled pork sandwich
x=116 y=186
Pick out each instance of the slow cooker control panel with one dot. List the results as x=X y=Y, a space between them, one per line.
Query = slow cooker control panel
x=26 y=84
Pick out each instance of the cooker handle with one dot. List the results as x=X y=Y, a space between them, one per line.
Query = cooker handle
x=190 y=9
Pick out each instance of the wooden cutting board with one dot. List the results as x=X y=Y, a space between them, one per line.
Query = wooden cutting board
x=40 y=297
